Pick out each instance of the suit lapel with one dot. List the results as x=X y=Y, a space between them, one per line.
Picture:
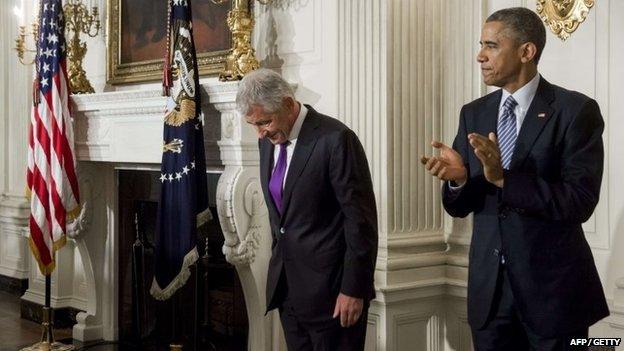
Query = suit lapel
x=266 y=166
x=303 y=149
x=490 y=115
x=537 y=116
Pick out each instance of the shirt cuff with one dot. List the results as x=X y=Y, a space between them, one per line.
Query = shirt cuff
x=454 y=189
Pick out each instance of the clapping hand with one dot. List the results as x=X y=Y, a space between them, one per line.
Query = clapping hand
x=487 y=151
x=449 y=166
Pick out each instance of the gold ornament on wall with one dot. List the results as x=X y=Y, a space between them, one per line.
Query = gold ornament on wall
x=563 y=16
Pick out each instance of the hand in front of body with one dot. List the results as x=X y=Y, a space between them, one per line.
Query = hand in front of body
x=349 y=309
x=487 y=151
x=449 y=166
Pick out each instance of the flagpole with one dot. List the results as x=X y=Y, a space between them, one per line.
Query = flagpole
x=47 y=325
x=176 y=345
x=206 y=325
x=48 y=318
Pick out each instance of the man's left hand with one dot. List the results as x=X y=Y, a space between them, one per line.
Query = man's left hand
x=487 y=151
x=349 y=309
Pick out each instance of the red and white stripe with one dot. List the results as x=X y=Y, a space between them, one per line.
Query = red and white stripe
x=51 y=178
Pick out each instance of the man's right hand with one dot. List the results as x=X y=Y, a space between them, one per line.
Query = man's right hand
x=449 y=166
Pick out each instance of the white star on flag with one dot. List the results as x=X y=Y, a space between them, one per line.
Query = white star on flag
x=52 y=38
x=163 y=178
x=44 y=82
x=185 y=170
x=178 y=176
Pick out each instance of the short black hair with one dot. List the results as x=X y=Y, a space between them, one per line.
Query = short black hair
x=525 y=26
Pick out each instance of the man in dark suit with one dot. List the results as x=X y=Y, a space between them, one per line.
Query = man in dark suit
x=319 y=193
x=527 y=162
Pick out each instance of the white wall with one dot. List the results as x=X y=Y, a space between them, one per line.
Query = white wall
x=299 y=39
x=15 y=90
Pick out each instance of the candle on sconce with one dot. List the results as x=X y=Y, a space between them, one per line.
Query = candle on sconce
x=18 y=11
x=34 y=11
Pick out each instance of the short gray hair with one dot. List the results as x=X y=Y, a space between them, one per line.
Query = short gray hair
x=262 y=87
x=524 y=26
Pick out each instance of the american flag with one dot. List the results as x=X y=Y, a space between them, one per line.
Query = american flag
x=51 y=178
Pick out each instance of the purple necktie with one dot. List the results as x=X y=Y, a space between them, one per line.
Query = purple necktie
x=277 y=178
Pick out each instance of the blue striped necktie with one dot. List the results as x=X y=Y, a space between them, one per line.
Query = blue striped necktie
x=507 y=134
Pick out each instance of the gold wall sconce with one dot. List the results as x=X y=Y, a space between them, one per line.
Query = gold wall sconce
x=242 y=57
x=78 y=19
x=21 y=47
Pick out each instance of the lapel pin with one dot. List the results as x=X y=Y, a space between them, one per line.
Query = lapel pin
x=541 y=115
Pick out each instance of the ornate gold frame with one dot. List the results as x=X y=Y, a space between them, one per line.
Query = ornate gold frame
x=563 y=16
x=209 y=63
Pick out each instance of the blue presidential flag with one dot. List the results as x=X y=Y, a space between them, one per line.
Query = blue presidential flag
x=183 y=202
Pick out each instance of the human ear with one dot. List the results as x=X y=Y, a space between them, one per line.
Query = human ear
x=527 y=52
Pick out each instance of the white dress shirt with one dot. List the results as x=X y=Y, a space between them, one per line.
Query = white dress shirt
x=292 y=137
x=523 y=96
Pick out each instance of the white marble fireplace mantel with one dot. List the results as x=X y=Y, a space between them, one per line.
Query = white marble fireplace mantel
x=119 y=126
x=116 y=130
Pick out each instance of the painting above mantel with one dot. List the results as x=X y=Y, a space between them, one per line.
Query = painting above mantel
x=137 y=38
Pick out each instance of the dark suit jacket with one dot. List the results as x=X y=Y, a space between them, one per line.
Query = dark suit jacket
x=325 y=242
x=551 y=188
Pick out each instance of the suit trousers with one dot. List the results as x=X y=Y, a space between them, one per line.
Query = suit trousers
x=301 y=336
x=505 y=330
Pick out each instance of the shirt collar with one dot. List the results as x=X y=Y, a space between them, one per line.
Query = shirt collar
x=524 y=95
x=294 y=132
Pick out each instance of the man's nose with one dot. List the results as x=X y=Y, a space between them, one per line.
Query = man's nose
x=481 y=57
